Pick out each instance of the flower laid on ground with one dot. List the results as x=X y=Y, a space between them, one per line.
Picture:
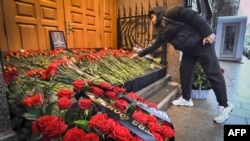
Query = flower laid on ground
x=34 y=100
x=141 y=100
x=113 y=66
x=29 y=60
x=76 y=134
x=96 y=117
x=51 y=127
x=111 y=128
x=159 y=128
x=64 y=103
x=74 y=92
x=10 y=73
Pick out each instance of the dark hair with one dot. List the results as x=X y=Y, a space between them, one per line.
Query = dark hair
x=150 y=12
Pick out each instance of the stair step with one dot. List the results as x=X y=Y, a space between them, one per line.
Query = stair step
x=154 y=87
x=161 y=92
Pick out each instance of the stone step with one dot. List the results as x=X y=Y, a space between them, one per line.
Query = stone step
x=161 y=92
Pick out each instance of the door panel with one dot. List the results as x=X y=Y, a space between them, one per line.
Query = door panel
x=90 y=24
x=108 y=23
x=29 y=36
x=51 y=19
x=75 y=28
x=82 y=17
x=28 y=23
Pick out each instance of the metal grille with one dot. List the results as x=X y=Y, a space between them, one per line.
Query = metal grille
x=133 y=30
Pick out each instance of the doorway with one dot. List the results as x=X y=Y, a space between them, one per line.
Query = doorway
x=85 y=23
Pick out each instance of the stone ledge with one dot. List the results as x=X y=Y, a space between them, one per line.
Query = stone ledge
x=8 y=135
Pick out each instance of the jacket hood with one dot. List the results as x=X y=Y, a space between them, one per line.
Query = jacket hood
x=159 y=11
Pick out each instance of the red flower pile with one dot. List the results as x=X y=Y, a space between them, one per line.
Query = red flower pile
x=34 y=100
x=10 y=73
x=61 y=111
x=101 y=122
x=111 y=128
x=89 y=122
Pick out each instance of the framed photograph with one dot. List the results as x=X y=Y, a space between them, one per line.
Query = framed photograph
x=230 y=35
x=57 y=39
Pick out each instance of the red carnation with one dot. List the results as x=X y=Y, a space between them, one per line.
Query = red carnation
x=78 y=85
x=34 y=100
x=105 y=85
x=121 y=104
x=141 y=117
x=65 y=92
x=111 y=95
x=96 y=90
x=85 y=104
x=64 y=103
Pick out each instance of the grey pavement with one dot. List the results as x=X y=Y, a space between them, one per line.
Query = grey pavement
x=196 y=123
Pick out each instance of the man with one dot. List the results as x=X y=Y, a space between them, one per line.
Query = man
x=190 y=33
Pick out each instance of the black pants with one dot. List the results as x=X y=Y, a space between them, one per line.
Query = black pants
x=205 y=55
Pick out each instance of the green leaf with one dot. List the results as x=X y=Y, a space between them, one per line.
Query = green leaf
x=86 y=87
x=52 y=109
x=82 y=124
x=32 y=115
x=131 y=109
x=200 y=79
x=12 y=96
x=11 y=102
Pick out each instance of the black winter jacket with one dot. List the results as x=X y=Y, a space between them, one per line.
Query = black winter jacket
x=182 y=27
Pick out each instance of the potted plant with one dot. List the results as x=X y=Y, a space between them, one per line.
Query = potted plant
x=201 y=85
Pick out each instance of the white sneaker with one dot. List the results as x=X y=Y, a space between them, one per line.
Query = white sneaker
x=183 y=102
x=222 y=113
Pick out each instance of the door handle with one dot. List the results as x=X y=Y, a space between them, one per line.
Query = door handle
x=68 y=26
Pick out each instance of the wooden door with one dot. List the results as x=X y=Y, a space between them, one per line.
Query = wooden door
x=3 y=38
x=82 y=23
x=91 y=23
x=109 y=33
x=27 y=23
x=85 y=23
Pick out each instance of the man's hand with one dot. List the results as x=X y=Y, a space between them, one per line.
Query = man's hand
x=134 y=56
x=209 y=39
